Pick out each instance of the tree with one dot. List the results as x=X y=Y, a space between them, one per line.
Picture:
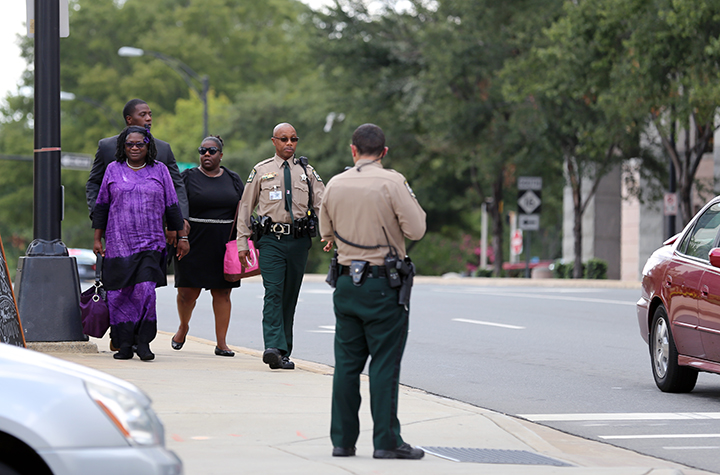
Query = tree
x=568 y=78
x=430 y=71
x=668 y=67
x=242 y=45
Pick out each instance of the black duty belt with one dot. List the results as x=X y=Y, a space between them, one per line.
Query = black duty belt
x=280 y=228
x=373 y=271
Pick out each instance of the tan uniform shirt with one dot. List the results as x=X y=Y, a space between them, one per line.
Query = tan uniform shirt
x=265 y=189
x=359 y=202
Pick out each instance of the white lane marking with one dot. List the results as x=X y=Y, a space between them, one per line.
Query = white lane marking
x=628 y=416
x=324 y=329
x=660 y=436
x=318 y=291
x=699 y=447
x=478 y=322
x=545 y=297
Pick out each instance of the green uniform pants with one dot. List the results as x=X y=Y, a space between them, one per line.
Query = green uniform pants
x=282 y=263
x=369 y=322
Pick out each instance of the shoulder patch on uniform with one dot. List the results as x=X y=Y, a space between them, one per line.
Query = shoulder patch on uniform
x=407 y=185
x=317 y=177
x=252 y=176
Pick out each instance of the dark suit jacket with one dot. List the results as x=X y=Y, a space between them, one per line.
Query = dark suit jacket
x=106 y=154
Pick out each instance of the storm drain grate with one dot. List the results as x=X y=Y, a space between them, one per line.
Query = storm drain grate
x=520 y=457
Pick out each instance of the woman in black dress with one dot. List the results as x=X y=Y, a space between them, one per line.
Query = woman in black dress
x=213 y=194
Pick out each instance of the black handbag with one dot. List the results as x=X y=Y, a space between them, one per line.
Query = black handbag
x=94 y=307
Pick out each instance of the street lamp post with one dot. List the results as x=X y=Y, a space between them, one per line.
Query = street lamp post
x=69 y=96
x=47 y=283
x=183 y=70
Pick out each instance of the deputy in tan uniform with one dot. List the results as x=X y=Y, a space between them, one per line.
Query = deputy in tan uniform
x=369 y=211
x=279 y=188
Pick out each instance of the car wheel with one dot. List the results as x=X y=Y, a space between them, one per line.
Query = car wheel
x=6 y=470
x=669 y=376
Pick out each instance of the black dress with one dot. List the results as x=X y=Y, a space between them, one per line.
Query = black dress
x=213 y=202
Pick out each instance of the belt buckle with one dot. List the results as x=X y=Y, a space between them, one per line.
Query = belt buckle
x=280 y=228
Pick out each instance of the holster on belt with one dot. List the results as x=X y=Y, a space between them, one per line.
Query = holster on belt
x=333 y=271
x=358 y=272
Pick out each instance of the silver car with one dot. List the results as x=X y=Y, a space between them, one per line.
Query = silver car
x=59 y=418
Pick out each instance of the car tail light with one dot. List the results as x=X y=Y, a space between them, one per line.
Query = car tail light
x=714 y=255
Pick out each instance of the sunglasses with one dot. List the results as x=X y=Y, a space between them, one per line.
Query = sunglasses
x=285 y=139
x=135 y=144
x=204 y=150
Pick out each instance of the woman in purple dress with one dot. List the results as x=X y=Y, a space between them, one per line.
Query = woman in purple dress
x=136 y=193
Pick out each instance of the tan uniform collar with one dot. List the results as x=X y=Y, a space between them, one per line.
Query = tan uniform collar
x=279 y=160
x=367 y=162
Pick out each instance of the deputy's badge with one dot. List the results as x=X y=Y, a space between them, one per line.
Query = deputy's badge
x=317 y=177
x=303 y=177
x=407 y=185
x=268 y=176
x=252 y=176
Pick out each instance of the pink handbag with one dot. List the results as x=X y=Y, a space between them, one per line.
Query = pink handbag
x=235 y=271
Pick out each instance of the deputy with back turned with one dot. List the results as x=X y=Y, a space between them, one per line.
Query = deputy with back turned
x=369 y=211
x=286 y=191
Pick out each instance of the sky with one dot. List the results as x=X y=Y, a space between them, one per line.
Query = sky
x=13 y=65
x=14 y=14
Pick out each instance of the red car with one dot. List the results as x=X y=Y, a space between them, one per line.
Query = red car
x=679 y=311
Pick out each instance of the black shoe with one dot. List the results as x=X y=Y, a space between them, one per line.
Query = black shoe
x=286 y=363
x=343 y=452
x=144 y=353
x=405 y=451
x=272 y=357
x=124 y=354
x=176 y=345
x=220 y=352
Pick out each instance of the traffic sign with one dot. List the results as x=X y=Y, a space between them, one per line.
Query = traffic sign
x=529 y=202
x=529 y=183
x=670 y=204
x=529 y=222
x=75 y=161
x=516 y=242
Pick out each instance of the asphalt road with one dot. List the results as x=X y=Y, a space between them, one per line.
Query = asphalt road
x=570 y=358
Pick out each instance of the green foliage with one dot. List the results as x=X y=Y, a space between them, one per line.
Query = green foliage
x=592 y=269
x=437 y=255
x=436 y=90
x=471 y=94
x=595 y=269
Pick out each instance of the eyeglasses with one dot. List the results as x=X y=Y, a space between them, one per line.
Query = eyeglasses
x=130 y=145
x=204 y=150
x=285 y=139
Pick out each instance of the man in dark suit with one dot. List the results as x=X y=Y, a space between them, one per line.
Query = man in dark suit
x=136 y=112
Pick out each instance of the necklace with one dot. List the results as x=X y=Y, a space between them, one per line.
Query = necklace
x=135 y=168
x=210 y=176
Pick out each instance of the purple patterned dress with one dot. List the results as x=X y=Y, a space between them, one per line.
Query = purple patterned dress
x=130 y=208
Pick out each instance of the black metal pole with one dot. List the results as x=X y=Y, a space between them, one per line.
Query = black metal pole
x=527 y=254
x=672 y=187
x=47 y=282
x=205 y=88
x=47 y=211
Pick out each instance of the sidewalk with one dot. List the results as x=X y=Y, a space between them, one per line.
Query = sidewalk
x=234 y=415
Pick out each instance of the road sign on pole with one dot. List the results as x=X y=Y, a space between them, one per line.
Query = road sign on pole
x=516 y=242
x=529 y=202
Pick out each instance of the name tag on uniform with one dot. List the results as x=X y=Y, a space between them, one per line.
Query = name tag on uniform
x=276 y=195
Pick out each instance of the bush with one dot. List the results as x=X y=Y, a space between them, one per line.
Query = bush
x=483 y=273
x=559 y=269
x=592 y=269
x=436 y=254
x=595 y=269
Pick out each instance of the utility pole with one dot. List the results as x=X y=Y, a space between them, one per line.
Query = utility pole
x=47 y=282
